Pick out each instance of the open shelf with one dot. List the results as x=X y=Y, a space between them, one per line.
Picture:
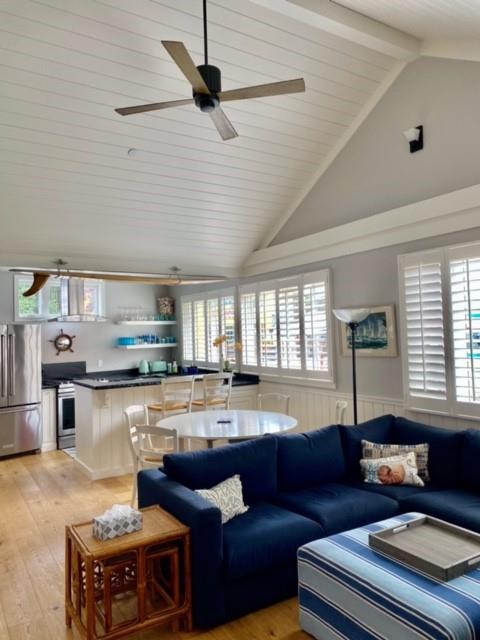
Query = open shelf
x=145 y=323
x=146 y=346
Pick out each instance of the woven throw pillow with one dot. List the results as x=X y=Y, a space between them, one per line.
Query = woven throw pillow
x=227 y=496
x=373 y=451
x=393 y=470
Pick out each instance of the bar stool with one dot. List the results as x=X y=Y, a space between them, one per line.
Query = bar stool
x=340 y=411
x=175 y=397
x=217 y=391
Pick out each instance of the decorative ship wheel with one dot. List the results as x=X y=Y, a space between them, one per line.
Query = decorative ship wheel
x=63 y=342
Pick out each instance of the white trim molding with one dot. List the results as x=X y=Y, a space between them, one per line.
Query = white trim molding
x=447 y=213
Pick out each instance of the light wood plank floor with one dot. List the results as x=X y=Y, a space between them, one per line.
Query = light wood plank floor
x=39 y=495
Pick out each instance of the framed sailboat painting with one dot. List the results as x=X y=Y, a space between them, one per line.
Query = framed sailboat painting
x=376 y=336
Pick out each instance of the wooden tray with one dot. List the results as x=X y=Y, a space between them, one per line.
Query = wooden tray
x=438 y=548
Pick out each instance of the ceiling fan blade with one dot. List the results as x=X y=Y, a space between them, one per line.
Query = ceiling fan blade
x=224 y=127
x=264 y=90
x=154 y=106
x=187 y=66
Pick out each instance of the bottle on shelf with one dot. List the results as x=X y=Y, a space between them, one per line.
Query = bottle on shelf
x=174 y=367
x=169 y=367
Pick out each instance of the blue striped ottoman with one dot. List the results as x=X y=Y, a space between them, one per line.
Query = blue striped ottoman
x=349 y=591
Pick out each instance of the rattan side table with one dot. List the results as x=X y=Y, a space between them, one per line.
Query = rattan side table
x=136 y=581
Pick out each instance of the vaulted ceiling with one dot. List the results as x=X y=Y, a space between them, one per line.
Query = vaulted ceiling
x=67 y=186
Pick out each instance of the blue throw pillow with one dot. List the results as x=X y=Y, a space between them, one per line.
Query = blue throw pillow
x=254 y=461
x=445 y=448
x=470 y=467
x=375 y=430
x=310 y=459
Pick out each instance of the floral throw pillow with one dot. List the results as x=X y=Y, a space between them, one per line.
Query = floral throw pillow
x=394 y=470
x=373 y=451
x=227 y=496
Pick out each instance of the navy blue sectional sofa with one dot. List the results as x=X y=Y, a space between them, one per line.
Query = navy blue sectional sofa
x=300 y=487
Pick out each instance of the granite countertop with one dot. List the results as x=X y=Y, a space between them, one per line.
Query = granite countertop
x=117 y=379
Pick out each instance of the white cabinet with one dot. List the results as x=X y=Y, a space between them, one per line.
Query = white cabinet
x=49 y=419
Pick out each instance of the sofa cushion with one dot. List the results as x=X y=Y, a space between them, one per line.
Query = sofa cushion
x=375 y=430
x=309 y=459
x=265 y=537
x=255 y=461
x=396 y=492
x=445 y=448
x=453 y=505
x=470 y=467
x=337 y=506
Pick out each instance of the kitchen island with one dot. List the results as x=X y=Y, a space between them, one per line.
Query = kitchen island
x=102 y=446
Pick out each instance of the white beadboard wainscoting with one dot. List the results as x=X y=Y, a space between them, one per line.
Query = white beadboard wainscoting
x=314 y=407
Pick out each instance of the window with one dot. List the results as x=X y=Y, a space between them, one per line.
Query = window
x=286 y=327
x=204 y=318
x=440 y=322
x=44 y=304
x=52 y=300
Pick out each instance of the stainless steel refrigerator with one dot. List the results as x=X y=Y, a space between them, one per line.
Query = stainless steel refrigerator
x=20 y=388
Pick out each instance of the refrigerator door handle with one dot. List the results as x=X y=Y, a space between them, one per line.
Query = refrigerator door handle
x=21 y=409
x=3 y=366
x=11 y=356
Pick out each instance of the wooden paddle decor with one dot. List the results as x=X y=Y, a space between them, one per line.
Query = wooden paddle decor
x=39 y=281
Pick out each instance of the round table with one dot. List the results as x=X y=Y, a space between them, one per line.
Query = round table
x=234 y=424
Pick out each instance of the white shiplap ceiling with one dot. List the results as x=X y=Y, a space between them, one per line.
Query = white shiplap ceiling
x=68 y=188
x=425 y=19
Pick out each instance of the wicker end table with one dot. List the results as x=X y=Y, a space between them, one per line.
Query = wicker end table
x=139 y=580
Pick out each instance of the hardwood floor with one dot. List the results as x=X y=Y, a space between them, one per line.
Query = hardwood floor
x=39 y=495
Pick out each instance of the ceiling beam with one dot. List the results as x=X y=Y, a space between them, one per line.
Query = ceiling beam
x=348 y=24
x=454 y=49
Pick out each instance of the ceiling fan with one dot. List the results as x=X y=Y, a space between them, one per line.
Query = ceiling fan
x=207 y=87
x=41 y=276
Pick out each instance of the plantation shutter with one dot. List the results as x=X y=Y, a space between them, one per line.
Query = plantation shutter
x=227 y=321
x=267 y=310
x=315 y=321
x=213 y=329
x=248 y=311
x=289 y=327
x=423 y=330
x=464 y=269
x=187 y=330
x=200 y=330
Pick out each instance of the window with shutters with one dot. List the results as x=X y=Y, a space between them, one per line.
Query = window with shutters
x=187 y=330
x=205 y=317
x=286 y=327
x=248 y=310
x=440 y=323
x=268 y=334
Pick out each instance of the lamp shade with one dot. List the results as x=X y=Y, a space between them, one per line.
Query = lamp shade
x=351 y=315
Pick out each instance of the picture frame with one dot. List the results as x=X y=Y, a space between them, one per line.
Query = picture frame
x=376 y=336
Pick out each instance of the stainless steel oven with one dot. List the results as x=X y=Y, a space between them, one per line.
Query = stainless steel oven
x=65 y=415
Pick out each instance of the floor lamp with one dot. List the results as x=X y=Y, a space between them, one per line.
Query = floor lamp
x=352 y=318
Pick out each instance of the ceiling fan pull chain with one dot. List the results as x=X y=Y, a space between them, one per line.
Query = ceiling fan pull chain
x=205 y=40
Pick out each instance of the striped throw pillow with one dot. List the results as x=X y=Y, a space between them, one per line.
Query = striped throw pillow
x=374 y=451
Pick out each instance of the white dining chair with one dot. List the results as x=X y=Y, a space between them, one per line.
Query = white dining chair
x=340 y=411
x=148 y=445
x=274 y=402
x=217 y=391
x=176 y=396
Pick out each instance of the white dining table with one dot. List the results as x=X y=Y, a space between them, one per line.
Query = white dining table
x=232 y=424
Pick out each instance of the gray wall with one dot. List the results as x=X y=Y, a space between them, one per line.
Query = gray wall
x=375 y=172
x=96 y=341
x=365 y=279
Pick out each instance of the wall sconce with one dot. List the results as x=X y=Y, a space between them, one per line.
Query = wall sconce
x=415 y=138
